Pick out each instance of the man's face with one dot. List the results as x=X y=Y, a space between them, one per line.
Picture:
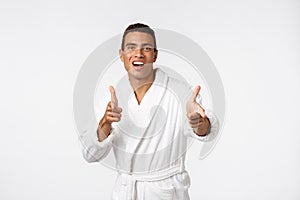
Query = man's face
x=138 y=55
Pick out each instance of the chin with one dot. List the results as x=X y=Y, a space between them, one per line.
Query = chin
x=141 y=74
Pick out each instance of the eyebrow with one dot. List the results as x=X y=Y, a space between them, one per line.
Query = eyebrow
x=144 y=44
x=129 y=44
x=147 y=44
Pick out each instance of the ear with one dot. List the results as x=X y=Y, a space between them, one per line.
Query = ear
x=121 y=55
x=155 y=55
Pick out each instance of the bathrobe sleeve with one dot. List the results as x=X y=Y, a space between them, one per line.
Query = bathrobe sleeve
x=92 y=149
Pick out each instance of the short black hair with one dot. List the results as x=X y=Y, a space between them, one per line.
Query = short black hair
x=139 y=27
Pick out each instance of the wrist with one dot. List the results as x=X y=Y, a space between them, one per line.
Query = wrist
x=104 y=129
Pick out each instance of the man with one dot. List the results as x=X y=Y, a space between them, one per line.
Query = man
x=149 y=125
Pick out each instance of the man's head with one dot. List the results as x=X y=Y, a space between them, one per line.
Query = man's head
x=138 y=51
x=138 y=27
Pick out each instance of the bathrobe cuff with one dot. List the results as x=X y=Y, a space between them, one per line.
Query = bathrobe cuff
x=93 y=150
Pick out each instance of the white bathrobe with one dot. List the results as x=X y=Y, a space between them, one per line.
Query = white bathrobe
x=150 y=141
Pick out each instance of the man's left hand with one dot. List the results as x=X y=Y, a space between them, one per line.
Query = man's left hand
x=196 y=115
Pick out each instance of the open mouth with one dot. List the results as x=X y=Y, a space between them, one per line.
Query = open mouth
x=137 y=64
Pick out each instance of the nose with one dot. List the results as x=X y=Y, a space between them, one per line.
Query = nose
x=139 y=52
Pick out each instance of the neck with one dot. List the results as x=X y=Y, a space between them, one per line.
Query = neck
x=141 y=86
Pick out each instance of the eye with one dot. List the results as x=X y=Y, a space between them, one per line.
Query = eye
x=131 y=48
x=147 y=49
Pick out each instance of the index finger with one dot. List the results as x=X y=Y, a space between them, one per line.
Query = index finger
x=114 y=100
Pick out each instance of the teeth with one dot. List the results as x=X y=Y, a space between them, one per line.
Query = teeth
x=138 y=63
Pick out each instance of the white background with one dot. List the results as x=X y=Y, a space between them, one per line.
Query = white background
x=255 y=46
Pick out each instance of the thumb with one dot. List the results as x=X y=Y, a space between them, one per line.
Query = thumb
x=114 y=100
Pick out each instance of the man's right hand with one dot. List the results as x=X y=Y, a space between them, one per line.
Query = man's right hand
x=112 y=114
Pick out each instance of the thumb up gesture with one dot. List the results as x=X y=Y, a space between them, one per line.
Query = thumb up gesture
x=196 y=114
